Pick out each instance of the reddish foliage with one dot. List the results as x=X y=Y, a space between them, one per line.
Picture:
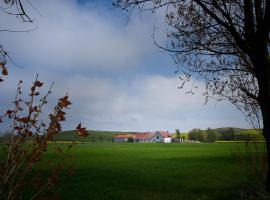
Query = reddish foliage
x=82 y=132
x=29 y=140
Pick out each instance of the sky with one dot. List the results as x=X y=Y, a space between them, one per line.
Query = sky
x=106 y=60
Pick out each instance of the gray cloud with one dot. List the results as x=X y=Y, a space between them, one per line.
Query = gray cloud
x=70 y=37
x=145 y=103
x=70 y=40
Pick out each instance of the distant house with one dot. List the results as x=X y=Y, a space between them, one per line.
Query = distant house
x=158 y=136
x=143 y=137
x=123 y=137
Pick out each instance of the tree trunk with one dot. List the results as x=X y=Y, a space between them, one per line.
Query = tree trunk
x=264 y=101
x=266 y=133
x=261 y=63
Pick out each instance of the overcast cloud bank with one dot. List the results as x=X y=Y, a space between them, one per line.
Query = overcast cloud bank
x=94 y=56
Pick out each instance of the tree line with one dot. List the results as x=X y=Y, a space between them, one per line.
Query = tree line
x=228 y=134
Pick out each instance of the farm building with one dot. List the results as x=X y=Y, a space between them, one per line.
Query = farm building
x=158 y=136
x=123 y=137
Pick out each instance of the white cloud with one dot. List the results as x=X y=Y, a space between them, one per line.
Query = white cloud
x=145 y=103
x=151 y=102
x=71 y=37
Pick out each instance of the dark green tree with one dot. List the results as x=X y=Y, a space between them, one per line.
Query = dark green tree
x=178 y=134
x=227 y=134
x=130 y=140
x=196 y=134
x=211 y=135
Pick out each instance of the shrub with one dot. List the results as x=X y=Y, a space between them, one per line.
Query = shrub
x=28 y=140
x=196 y=134
x=130 y=140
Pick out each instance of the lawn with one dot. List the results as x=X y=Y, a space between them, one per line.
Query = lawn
x=155 y=171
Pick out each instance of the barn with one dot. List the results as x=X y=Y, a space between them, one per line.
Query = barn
x=123 y=137
x=153 y=137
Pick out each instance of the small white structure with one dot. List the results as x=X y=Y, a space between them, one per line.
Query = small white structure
x=168 y=140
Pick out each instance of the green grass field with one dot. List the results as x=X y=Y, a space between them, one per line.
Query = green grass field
x=114 y=171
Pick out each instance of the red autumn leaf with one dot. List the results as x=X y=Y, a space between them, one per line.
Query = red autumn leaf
x=9 y=112
x=18 y=128
x=34 y=94
x=4 y=71
x=29 y=133
x=24 y=119
x=79 y=126
x=38 y=83
x=64 y=102
x=82 y=132
x=61 y=115
x=35 y=109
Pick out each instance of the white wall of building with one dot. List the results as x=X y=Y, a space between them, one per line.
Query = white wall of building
x=157 y=137
x=167 y=140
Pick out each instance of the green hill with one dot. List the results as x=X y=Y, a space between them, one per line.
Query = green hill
x=94 y=136
x=106 y=136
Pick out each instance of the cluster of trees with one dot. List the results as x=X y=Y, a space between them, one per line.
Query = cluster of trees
x=229 y=134
x=179 y=136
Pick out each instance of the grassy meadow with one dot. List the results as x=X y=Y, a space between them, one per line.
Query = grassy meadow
x=122 y=171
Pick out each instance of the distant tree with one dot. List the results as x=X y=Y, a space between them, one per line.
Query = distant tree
x=178 y=134
x=192 y=135
x=184 y=137
x=211 y=135
x=100 y=138
x=4 y=137
x=130 y=140
x=243 y=137
x=228 y=44
x=92 y=139
x=227 y=134
x=196 y=134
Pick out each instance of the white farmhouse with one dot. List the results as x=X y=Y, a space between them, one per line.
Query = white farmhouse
x=161 y=136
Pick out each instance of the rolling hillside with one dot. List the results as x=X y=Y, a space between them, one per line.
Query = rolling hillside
x=94 y=136
x=106 y=136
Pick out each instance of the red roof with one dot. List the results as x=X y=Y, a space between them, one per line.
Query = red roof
x=165 y=134
x=144 y=136
x=148 y=135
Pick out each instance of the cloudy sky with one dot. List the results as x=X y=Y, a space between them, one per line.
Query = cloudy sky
x=117 y=79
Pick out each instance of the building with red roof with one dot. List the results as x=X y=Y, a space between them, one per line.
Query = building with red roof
x=123 y=137
x=158 y=136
